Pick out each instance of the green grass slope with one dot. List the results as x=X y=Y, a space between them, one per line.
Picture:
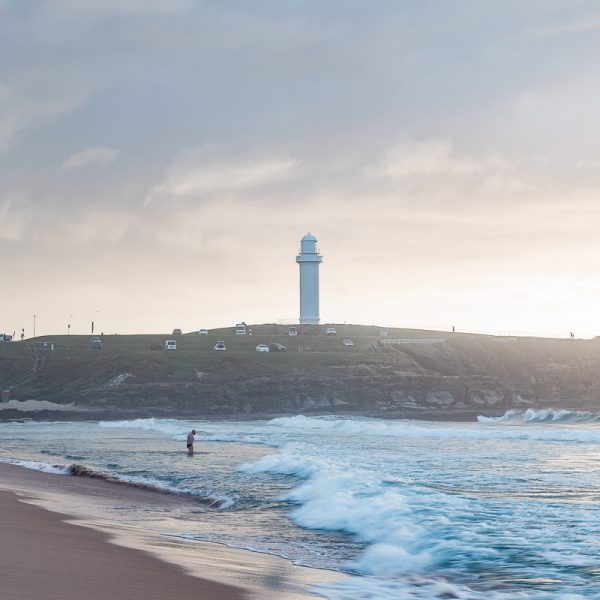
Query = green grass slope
x=398 y=374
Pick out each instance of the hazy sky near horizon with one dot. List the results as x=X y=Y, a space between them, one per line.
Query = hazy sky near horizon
x=161 y=159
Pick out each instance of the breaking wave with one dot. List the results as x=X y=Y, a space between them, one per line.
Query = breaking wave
x=547 y=415
x=356 y=502
x=472 y=431
x=417 y=542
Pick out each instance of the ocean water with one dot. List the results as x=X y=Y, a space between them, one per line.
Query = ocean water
x=500 y=509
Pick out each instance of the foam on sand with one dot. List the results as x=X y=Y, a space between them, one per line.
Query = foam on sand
x=145 y=483
x=77 y=470
x=36 y=465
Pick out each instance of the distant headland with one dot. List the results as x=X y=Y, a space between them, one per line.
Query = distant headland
x=271 y=369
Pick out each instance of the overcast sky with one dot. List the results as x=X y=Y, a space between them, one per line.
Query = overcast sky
x=161 y=159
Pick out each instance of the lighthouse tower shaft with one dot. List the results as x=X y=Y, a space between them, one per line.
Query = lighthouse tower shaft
x=309 y=260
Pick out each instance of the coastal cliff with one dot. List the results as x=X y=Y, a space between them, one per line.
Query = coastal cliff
x=394 y=372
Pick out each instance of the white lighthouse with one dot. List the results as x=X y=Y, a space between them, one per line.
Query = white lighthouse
x=309 y=260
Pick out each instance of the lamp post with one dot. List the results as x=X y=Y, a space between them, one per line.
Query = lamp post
x=69 y=329
x=33 y=325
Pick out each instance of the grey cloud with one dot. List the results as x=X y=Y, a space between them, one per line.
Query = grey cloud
x=23 y=104
x=97 y=155
x=196 y=171
x=98 y=8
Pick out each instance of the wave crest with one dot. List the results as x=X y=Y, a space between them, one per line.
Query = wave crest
x=546 y=415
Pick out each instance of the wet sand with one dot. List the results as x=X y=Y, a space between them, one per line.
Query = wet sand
x=44 y=557
x=57 y=543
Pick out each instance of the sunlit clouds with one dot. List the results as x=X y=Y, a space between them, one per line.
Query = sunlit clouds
x=161 y=161
x=194 y=171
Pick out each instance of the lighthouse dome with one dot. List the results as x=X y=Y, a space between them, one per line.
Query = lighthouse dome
x=308 y=244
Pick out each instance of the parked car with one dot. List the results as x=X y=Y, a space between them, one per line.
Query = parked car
x=170 y=345
x=4 y=337
x=176 y=332
x=348 y=343
x=240 y=329
x=292 y=331
x=330 y=331
x=96 y=342
x=220 y=346
x=203 y=332
x=262 y=348
x=275 y=347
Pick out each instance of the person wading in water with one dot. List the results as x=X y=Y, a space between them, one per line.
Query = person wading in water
x=190 y=442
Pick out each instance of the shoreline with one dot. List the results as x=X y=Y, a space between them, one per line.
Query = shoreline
x=59 y=542
x=44 y=556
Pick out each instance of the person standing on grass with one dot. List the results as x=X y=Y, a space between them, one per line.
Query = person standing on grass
x=190 y=442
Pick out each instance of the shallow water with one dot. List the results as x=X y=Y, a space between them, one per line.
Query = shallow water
x=498 y=509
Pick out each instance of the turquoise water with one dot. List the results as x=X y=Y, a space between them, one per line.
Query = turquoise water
x=499 y=509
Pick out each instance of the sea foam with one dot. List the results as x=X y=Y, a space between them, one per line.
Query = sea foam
x=548 y=415
x=354 y=502
x=373 y=588
x=483 y=430
x=406 y=530
x=37 y=465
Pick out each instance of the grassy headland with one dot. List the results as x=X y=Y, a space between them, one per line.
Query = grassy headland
x=407 y=373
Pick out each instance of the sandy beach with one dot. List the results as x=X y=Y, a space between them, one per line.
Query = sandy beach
x=72 y=552
x=42 y=556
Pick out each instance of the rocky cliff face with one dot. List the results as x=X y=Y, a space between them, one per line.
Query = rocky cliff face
x=458 y=378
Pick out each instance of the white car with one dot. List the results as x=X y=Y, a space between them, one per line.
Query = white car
x=292 y=331
x=220 y=346
x=330 y=331
x=170 y=345
x=348 y=343
x=203 y=332
x=262 y=348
